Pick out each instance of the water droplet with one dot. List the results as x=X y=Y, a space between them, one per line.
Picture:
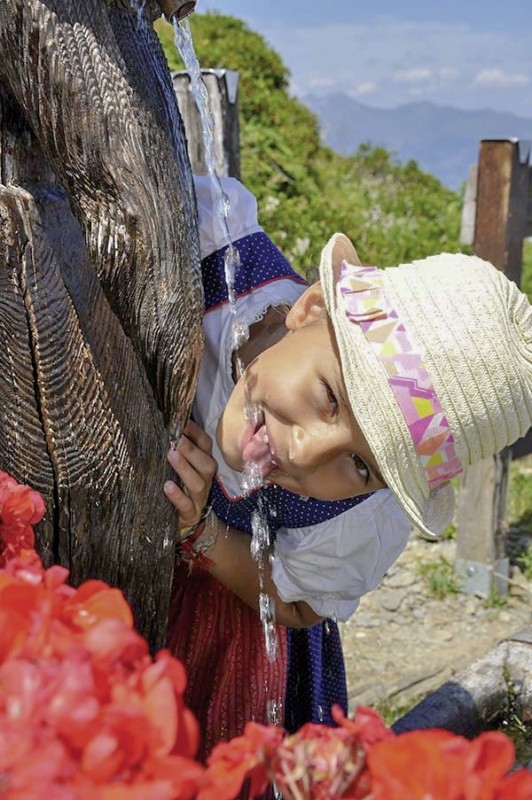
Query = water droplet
x=274 y=711
x=267 y=617
x=239 y=334
x=251 y=478
x=260 y=539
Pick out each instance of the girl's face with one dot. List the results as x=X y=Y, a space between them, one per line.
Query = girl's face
x=304 y=436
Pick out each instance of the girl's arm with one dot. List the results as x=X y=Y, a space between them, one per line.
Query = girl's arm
x=231 y=560
x=234 y=566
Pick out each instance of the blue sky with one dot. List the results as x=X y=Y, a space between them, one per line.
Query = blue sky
x=472 y=54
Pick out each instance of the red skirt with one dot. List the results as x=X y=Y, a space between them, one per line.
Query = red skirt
x=220 y=641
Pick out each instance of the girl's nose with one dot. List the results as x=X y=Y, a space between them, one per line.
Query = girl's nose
x=313 y=446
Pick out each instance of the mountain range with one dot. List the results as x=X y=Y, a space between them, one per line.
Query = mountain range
x=443 y=140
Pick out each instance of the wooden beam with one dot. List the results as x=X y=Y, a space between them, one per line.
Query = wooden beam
x=502 y=203
x=222 y=87
x=477 y=697
x=502 y=195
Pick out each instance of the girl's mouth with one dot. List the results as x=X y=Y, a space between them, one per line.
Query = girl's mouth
x=256 y=448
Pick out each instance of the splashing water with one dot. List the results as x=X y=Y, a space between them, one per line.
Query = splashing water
x=260 y=539
x=183 y=42
x=260 y=542
x=267 y=617
x=252 y=479
x=275 y=712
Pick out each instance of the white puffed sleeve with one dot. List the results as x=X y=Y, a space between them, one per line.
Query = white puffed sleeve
x=332 y=564
x=241 y=217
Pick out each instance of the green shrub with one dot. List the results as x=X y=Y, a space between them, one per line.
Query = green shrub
x=393 y=212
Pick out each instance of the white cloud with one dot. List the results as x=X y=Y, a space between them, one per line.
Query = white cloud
x=497 y=78
x=364 y=88
x=417 y=75
x=385 y=58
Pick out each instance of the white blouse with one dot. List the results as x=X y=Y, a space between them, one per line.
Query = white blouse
x=331 y=564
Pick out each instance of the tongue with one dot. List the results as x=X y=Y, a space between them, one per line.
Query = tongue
x=255 y=449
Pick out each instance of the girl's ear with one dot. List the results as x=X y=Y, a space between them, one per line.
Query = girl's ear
x=309 y=307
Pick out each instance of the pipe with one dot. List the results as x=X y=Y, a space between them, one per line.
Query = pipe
x=178 y=9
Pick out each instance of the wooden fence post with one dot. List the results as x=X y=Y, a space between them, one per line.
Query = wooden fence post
x=502 y=220
x=222 y=86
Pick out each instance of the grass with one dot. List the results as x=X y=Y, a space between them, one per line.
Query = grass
x=391 y=712
x=449 y=532
x=439 y=577
x=513 y=725
x=523 y=559
x=520 y=496
x=496 y=600
x=520 y=515
x=526 y=277
x=441 y=581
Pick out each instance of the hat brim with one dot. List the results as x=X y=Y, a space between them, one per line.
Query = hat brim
x=376 y=409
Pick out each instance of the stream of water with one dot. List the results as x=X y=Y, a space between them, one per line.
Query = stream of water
x=252 y=480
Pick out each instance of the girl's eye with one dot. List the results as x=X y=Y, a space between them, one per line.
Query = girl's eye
x=361 y=467
x=331 y=397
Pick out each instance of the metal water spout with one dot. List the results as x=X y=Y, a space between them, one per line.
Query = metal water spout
x=177 y=9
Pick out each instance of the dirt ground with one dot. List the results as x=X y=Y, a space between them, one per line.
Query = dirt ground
x=404 y=642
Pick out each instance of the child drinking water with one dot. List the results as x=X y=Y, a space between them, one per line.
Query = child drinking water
x=371 y=389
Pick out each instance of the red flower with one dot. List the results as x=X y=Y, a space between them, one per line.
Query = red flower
x=439 y=765
x=20 y=508
x=32 y=765
x=516 y=786
x=318 y=763
x=245 y=757
x=367 y=725
x=183 y=774
x=26 y=613
x=94 y=601
x=87 y=714
x=19 y=503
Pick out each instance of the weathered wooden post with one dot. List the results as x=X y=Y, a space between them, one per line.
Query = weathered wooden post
x=498 y=200
x=101 y=302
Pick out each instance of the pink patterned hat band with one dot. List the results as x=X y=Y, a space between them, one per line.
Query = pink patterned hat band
x=366 y=305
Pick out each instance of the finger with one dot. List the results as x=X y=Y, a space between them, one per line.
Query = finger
x=202 y=462
x=196 y=483
x=181 y=502
x=197 y=435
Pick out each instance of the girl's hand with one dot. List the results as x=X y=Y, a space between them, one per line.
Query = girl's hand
x=193 y=463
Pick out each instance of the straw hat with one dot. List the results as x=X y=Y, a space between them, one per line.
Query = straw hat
x=437 y=361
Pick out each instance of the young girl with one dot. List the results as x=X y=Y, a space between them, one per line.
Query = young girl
x=370 y=389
